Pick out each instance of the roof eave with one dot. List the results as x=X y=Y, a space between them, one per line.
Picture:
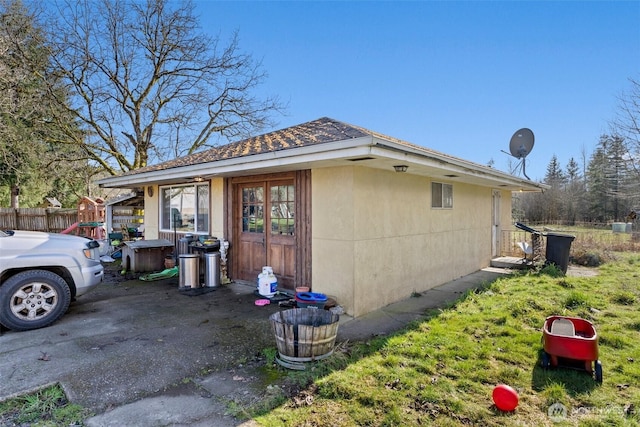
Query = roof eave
x=379 y=153
x=453 y=165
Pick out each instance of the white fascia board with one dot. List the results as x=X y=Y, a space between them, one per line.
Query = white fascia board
x=339 y=150
x=449 y=163
x=136 y=180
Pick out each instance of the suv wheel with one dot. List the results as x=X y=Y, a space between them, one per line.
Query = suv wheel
x=33 y=299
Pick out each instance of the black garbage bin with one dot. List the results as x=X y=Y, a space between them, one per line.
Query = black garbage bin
x=558 y=248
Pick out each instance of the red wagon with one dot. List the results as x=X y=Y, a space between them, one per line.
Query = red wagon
x=571 y=342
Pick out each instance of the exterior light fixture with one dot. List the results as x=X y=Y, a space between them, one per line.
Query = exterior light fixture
x=401 y=168
x=198 y=179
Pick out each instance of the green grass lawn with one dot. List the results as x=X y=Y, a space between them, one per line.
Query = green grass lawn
x=441 y=371
x=48 y=407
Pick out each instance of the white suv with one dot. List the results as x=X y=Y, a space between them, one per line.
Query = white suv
x=41 y=273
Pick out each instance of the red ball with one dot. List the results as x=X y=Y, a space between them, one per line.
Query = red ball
x=505 y=397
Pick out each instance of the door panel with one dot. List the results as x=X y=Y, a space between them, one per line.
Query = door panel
x=253 y=258
x=252 y=249
x=281 y=234
x=282 y=259
x=266 y=229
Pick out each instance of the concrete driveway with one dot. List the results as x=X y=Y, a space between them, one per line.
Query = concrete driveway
x=130 y=339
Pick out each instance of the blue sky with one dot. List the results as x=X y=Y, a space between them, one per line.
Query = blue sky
x=457 y=77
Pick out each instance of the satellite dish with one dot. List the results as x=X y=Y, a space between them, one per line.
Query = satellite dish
x=520 y=146
x=521 y=143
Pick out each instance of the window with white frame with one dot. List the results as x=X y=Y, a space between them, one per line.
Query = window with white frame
x=185 y=208
x=441 y=195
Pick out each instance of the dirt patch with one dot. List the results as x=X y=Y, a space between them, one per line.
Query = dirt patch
x=113 y=273
x=579 y=271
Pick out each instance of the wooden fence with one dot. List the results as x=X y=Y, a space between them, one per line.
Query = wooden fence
x=37 y=219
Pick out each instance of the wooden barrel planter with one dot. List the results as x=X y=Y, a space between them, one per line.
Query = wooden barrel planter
x=304 y=334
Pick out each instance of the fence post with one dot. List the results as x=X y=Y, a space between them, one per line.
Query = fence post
x=49 y=219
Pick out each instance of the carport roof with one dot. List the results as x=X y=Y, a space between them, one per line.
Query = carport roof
x=324 y=142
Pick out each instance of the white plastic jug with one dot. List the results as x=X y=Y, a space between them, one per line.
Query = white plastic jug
x=267 y=282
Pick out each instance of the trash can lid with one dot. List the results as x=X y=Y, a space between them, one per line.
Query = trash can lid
x=521 y=226
x=188 y=256
x=568 y=236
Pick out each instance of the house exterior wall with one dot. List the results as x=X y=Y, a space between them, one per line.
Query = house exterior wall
x=151 y=214
x=217 y=208
x=376 y=239
x=332 y=234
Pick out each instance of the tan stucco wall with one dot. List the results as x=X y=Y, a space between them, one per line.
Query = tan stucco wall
x=376 y=239
x=332 y=231
x=151 y=214
x=216 y=193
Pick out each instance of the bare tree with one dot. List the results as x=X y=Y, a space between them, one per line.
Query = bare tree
x=147 y=84
x=626 y=125
x=627 y=122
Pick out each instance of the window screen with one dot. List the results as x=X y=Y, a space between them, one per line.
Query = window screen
x=441 y=195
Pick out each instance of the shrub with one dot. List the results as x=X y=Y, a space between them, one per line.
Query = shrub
x=624 y=298
x=575 y=300
x=587 y=259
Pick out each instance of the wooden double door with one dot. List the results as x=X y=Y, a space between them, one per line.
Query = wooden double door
x=269 y=228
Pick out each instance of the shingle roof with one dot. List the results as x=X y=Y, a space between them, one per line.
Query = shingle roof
x=318 y=131
x=314 y=133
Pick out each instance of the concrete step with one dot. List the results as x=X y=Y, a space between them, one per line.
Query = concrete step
x=510 y=262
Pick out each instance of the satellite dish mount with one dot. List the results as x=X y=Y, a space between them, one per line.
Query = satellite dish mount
x=520 y=146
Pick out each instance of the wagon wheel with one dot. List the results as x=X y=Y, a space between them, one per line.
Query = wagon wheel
x=545 y=361
x=598 y=371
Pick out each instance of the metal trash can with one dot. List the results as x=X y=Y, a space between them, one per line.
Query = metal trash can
x=184 y=242
x=189 y=270
x=558 y=248
x=212 y=269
